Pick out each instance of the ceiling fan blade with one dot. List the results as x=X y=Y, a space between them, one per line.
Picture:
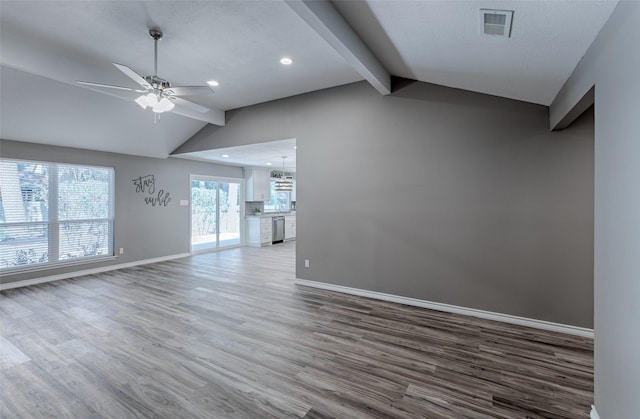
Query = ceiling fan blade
x=189 y=90
x=189 y=105
x=110 y=86
x=133 y=75
x=107 y=89
x=214 y=116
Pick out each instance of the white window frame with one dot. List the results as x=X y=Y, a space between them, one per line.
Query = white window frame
x=53 y=222
x=273 y=197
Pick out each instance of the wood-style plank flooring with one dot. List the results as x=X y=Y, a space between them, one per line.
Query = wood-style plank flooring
x=228 y=335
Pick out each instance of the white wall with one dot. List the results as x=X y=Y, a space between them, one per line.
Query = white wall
x=612 y=64
x=143 y=230
x=438 y=194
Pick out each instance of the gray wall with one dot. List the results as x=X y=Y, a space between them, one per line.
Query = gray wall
x=437 y=194
x=612 y=64
x=144 y=231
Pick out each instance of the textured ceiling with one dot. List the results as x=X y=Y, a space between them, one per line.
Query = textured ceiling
x=238 y=43
x=46 y=45
x=439 y=42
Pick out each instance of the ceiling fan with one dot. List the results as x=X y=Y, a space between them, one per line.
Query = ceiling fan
x=157 y=93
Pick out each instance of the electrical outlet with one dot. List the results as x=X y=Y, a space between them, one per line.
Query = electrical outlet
x=306 y=263
x=121 y=251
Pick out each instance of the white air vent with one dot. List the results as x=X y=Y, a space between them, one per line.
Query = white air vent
x=496 y=22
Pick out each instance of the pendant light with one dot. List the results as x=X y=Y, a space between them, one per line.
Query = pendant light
x=285 y=183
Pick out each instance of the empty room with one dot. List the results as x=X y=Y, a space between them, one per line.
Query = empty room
x=319 y=209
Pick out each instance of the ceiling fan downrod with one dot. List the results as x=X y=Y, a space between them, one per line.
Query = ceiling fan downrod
x=156 y=34
x=159 y=84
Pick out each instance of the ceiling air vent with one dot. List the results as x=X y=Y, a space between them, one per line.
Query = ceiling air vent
x=496 y=22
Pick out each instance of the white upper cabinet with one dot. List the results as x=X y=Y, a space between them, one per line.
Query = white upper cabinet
x=257 y=184
x=293 y=192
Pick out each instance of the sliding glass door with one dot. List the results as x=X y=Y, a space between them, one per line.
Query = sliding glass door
x=229 y=214
x=215 y=212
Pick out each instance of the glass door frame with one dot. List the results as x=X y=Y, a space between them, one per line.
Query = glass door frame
x=217 y=179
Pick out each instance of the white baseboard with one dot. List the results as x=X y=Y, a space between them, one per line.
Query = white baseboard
x=51 y=278
x=506 y=318
x=594 y=413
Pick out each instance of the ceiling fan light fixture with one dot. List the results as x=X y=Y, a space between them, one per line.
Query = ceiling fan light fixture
x=163 y=105
x=170 y=105
x=142 y=101
x=151 y=99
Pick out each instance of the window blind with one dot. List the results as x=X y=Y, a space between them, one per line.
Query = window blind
x=52 y=213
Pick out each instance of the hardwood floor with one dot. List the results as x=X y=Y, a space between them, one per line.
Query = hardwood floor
x=228 y=335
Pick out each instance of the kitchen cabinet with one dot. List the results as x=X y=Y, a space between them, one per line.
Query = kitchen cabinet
x=259 y=231
x=289 y=227
x=257 y=180
x=293 y=192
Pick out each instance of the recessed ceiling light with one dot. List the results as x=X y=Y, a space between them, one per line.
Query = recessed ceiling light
x=268 y=164
x=286 y=61
x=213 y=83
x=295 y=147
x=226 y=156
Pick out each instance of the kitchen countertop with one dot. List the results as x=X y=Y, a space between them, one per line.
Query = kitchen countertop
x=271 y=214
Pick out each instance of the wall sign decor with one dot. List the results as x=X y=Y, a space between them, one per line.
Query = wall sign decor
x=147 y=185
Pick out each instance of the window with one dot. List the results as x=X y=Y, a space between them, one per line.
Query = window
x=279 y=200
x=54 y=214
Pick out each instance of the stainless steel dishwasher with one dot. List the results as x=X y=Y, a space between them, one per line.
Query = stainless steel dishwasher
x=278 y=229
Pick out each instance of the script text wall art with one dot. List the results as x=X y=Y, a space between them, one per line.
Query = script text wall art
x=146 y=185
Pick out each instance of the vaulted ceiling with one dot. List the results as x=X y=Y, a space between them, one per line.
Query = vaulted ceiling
x=45 y=46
